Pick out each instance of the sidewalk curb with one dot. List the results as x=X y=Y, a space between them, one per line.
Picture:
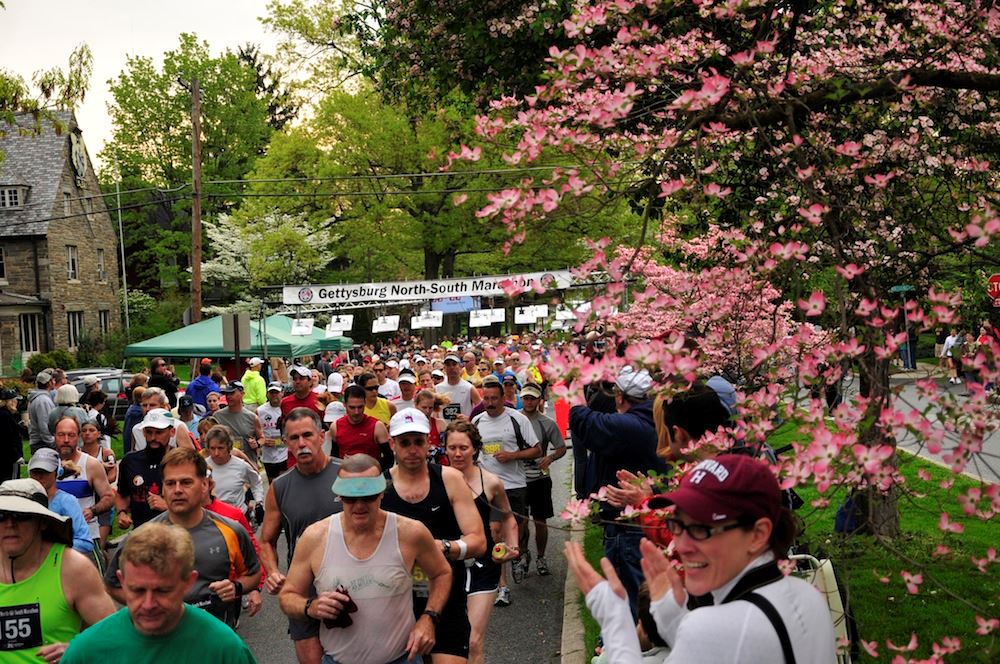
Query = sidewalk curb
x=573 y=646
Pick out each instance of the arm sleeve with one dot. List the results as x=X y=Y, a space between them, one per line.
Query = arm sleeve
x=606 y=432
x=667 y=615
x=554 y=434
x=612 y=612
x=256 y=485
x=250 y=558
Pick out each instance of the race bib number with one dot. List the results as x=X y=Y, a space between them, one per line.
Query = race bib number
x=421 y=587
x=20 y=627
x=451 y=411
x=491 y=448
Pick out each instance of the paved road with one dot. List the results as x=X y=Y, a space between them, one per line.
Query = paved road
x=529 y=630
x=985 y=466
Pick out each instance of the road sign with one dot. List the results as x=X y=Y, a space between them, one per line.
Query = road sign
x=993 y=288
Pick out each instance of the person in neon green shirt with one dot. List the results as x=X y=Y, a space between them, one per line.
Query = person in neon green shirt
x=254 y=388
x=157 y=571
x=48 y=591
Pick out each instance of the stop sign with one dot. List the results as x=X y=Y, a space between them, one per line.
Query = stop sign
x=993 y=289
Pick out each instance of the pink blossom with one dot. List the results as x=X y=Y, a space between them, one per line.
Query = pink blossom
x=986 y=626
x=912 y=581
x=815 y=305
x=945 y=524
x=909 y=647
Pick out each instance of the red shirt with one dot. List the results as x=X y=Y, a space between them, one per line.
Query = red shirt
x=291 y=402
x=357 y=438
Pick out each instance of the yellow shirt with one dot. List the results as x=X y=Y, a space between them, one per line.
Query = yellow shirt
x=380 y=411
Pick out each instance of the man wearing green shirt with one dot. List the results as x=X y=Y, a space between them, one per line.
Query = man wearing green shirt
x=255 y=389
x=157 y=571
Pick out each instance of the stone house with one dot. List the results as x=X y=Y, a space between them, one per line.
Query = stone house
x=58 y=249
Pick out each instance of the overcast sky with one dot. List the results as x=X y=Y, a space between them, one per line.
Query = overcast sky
x=39 y=34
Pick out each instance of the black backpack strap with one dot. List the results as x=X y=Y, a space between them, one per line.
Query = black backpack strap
x=521 y=443
x=779 y=625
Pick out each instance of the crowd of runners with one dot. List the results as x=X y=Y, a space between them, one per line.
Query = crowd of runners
x=406 y=481
x=410 y=484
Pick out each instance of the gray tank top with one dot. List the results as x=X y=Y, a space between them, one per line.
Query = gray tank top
x=305 y=499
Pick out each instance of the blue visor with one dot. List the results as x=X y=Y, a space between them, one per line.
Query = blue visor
x=359 y=487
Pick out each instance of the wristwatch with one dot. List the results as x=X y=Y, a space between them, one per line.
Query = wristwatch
x=447 y=547
x=306 y=609
x=433 y=615
x=238 y=587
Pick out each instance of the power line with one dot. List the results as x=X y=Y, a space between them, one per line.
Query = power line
x=376 y=176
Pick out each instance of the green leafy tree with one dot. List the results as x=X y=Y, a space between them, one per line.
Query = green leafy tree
x=49 y=88
x=150 y=146
x=419 y=51
x=366 y=170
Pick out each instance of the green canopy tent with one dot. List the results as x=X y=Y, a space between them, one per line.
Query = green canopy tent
x=280 y=326
x=204 y=339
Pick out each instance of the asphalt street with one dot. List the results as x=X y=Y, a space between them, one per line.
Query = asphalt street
x=985 y=466
x=529 y=630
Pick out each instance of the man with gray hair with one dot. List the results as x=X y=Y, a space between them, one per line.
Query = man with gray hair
x=294 y=501
x=623 y=440
x=40 y=404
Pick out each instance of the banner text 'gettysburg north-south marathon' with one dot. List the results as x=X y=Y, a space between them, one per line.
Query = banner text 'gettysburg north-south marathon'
x=395 y=291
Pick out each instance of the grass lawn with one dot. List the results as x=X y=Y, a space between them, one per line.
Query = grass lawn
x=953 y=592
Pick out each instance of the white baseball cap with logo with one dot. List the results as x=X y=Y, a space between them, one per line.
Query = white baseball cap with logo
x=409 y=420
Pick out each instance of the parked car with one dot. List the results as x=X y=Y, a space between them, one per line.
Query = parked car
x=115 y=385
x=74 y=375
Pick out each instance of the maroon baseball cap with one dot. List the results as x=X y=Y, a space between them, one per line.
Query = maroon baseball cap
x=727 y=487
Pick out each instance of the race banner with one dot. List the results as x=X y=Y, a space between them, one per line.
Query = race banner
x=400 y=291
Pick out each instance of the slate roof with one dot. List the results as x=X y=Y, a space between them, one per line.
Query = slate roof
x=36 y=160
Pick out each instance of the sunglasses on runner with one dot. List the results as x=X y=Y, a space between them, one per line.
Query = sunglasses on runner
x=362 y=499
x=17 y=517
x=699 y=531
x=371 y=388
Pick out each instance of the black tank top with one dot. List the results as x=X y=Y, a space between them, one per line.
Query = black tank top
x=434 y=511
x=485 y=511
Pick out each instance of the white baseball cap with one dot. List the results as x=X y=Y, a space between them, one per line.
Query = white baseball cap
x=254 y=361
x=335 y=382
x=158 y=418
x=408 y=420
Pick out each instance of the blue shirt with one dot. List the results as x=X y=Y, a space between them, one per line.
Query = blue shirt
x=66 y=505
x=199 y=388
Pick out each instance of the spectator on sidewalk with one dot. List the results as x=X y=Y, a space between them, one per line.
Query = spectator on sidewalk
x=623 y=440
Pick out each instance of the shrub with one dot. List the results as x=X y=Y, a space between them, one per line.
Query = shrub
x=40 y=361
x=62 y=359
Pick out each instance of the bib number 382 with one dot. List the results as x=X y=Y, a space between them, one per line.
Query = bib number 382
x=20 y=627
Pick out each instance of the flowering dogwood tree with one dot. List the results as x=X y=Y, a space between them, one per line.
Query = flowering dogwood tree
x=841 y=147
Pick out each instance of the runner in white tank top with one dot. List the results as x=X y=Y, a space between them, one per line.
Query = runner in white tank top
x=380 y=585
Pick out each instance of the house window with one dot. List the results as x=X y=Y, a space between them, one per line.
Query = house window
x=67 y=204
x=3 y=264
x=29 y=333
x=74 y=324
x=88 y=205
x=104 y=318
x=72 y=263
x=10 y=197
x=102 y=273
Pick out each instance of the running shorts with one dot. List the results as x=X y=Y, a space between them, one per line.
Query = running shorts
x=540 y=498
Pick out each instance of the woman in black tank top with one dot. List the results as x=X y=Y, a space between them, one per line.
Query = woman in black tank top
x=462 y=443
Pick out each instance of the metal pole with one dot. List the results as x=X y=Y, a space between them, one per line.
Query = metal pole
x=195 y=201
x=121 y=244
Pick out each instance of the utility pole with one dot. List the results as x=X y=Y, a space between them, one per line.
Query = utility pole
x=195 y=201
